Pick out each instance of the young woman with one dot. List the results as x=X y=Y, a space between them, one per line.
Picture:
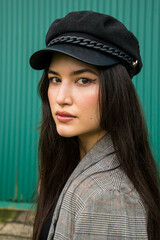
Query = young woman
x=98 y=178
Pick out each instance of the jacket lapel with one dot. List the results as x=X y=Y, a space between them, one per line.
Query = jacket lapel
x=104 y=147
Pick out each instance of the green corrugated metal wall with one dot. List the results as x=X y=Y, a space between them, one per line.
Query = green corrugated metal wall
x=23 y=25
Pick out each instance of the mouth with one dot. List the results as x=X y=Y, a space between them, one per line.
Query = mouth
x=64 y=116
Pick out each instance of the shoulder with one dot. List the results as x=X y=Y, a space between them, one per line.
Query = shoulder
x=102 y=203
x=106 y=189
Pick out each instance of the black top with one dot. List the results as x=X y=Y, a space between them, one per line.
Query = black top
x=45 y=229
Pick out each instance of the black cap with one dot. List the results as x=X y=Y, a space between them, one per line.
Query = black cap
x=93 y=38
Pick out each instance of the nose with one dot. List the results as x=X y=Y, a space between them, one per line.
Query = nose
x=64 y=95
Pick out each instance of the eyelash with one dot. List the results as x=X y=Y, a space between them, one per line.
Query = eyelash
x=51 y=79
x=88 y=80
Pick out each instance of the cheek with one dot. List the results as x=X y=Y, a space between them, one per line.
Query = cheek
x=89 y=104
x=51 y=98
x=89 y=101
x=52 y=101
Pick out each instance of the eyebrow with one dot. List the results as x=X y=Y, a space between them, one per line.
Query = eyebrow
x=53 y=72
x=85 y=70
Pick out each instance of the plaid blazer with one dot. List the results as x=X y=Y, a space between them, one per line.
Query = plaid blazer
x=99 y=201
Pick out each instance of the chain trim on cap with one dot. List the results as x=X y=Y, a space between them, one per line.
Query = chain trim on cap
x=93 y=44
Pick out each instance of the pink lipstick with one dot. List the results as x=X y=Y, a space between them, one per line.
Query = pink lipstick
x=64 y=116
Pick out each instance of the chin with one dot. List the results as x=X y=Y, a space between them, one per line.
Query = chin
x=66 y=135
x=63 y=133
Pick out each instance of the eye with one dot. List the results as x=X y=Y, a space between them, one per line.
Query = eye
x=85 y=81
x=54 y=80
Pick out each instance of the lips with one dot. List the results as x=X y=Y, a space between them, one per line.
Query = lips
x=64 y=116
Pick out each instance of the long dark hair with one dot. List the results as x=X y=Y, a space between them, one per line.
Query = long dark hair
x=121 y=116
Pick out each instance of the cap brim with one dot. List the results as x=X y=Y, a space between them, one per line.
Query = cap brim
x=41 y=59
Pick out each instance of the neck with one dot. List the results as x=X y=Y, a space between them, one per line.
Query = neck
x=88 y=141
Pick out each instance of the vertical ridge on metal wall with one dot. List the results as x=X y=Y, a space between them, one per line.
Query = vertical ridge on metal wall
x=23 y=28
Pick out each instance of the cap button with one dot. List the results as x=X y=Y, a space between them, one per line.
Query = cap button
x=134 y=64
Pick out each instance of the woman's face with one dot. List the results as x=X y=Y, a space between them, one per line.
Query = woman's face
x=73 y=96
